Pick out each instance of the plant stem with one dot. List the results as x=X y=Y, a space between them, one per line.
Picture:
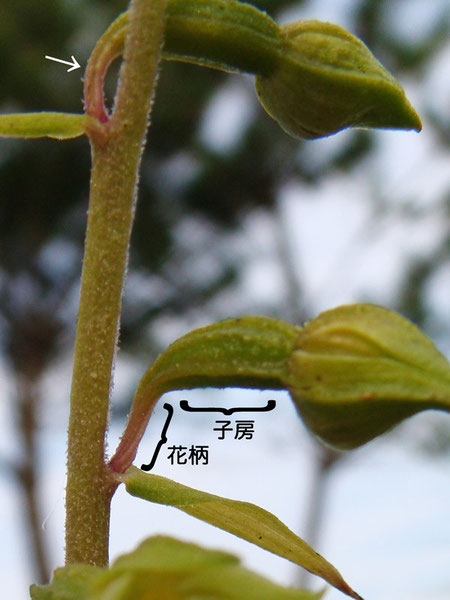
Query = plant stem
x=116 y=151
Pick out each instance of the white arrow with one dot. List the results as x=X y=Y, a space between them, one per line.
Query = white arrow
x=73 y=64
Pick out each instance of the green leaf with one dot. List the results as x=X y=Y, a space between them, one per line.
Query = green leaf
x=167 y=555
x=243 y=519
x=68 y=583
x=163 y=568
x=43 y=124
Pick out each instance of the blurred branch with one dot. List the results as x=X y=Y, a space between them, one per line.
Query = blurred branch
x=27 y=475
x=32 y=330
x=441 y=128
x=8 y=466
x=325 y=460
x=412 y=301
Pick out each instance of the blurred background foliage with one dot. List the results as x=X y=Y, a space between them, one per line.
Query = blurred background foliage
x=215 y=164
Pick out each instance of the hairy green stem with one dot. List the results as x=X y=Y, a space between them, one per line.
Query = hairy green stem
x=116 y=150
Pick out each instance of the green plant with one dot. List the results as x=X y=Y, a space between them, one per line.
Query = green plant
x=353 y=372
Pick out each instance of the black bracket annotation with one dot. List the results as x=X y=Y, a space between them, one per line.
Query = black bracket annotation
x=163 y=439
x=184 y=405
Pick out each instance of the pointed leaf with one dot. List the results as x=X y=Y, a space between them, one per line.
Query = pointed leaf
x=43 y=124
x=243 y=519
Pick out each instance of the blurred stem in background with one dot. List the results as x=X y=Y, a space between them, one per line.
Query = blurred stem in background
x=31 y=336
x=323 y=459
x=28 y=473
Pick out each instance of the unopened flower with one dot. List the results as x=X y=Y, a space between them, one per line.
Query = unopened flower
x=356 y=371
x=328 y=80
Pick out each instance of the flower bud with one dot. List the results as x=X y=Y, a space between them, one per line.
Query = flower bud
x=356 y=371
x=328 y=80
